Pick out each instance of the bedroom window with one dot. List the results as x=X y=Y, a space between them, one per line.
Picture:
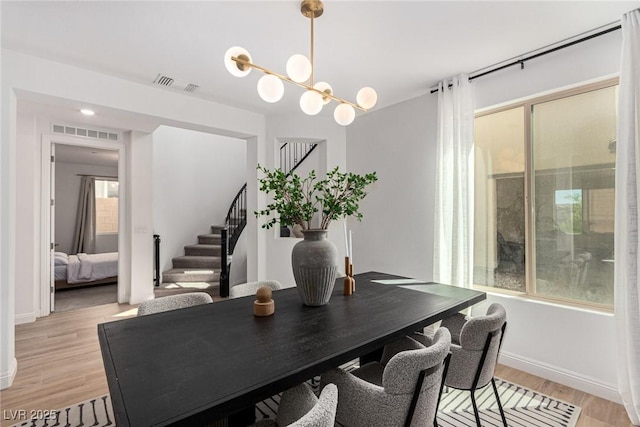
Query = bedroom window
x=544 y=196
x=106 y=206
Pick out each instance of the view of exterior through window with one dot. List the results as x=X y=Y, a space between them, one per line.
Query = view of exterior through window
x=106 y=206
x=544 y=196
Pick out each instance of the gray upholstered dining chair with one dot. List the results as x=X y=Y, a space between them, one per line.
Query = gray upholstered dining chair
x=246 y=289
x=173 y=302
x=475 y=345
x=299 y=407
x=403 y=389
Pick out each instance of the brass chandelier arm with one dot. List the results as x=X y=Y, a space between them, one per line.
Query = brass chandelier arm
x=302 y=85
x=311 y=52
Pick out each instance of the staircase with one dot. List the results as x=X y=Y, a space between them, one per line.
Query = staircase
x=200 y=268
x=197 y=270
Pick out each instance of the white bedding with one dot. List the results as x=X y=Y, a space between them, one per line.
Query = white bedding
x=89 y=267
x=60 y=272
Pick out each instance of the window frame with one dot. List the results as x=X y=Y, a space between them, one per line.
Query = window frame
x=527 y=106
x=108 y=233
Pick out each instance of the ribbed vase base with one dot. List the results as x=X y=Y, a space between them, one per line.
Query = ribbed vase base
x=315 y=285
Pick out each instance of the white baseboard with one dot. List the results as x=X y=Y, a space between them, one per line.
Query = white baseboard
x=6 y=378
x=25 y=318
x=561 y=376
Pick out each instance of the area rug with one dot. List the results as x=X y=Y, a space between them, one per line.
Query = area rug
x=523 y=408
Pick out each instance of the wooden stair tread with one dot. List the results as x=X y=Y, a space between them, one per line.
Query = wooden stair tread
x=198 y=257
x=193 y=270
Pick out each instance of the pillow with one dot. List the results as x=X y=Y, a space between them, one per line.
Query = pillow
x=60 y=258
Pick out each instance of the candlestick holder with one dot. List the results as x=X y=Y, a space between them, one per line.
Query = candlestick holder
x=349 y=281
x=353 y=279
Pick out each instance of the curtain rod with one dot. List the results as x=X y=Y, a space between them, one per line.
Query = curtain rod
x=521 y=61
x=98 y=176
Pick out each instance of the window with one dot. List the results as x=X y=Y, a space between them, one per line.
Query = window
x=568 y=210
x=544 y=196
x=106 y=206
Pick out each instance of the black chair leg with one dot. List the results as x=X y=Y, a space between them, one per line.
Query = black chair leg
x=475 y=408
x=495 y=391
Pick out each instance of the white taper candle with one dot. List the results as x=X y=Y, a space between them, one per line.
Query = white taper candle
x=346 y=241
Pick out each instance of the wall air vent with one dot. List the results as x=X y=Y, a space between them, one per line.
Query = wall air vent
x=109 y=135
x=166 y=81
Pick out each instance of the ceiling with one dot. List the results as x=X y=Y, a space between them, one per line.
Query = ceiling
x=86 y=155
x=401 y=48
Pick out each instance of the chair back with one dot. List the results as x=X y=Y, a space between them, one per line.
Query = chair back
x=323 y=414
x=173 y=302
x=251 y=288
x=417 y=374
x=473 y=365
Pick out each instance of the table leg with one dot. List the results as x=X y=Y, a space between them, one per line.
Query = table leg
x=243 y=418
x=374 y=356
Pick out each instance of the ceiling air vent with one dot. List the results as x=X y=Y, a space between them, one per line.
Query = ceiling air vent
x=191 y=87
x=166 y=81
x=163 y=80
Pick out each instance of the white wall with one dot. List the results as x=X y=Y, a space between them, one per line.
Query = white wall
x=238 y=271
x=396 y=232
x=27 y=244
x=66 y=206
x=30 y=77
x=195 y=178
x=572 y=346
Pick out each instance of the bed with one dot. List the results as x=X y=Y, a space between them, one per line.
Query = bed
x=85 y=269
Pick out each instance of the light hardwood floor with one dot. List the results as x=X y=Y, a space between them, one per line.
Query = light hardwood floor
x=59 y=363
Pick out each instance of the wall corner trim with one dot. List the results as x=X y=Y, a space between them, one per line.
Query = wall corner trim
x=561 y=376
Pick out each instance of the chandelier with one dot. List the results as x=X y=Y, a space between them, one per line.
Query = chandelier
x=300 y=73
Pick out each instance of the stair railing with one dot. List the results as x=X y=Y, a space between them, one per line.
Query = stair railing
x=224 y=263
x=236 y=218
x=291 y=156
x=156 y=260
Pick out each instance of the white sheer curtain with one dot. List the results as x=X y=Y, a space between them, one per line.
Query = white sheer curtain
x=627 y=297
x=453 y=234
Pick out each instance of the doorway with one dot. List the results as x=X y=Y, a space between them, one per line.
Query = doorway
x=81 y=218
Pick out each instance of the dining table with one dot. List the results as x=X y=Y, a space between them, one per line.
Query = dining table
x=195 y=365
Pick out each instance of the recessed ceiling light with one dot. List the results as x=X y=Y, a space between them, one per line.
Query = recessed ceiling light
x=87 y=112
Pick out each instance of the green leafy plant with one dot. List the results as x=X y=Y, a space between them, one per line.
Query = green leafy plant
x=296 y=200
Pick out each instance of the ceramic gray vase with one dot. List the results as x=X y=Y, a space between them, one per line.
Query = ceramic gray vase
x=315 y=267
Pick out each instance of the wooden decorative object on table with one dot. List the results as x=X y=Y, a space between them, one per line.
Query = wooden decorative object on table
x=349 y=281
x=353 y=280
x=264 y=305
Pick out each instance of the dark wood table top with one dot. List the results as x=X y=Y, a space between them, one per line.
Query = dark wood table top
x=219 y=358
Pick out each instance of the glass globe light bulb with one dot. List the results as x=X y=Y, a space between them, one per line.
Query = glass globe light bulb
x=344 y=114
x=311 y=102
x=270 y=88
x=233 y=67
x=366 y=98
x=299 y=68
x=324 y=87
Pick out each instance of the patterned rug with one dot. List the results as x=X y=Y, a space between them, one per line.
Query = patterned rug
x=523 y=408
